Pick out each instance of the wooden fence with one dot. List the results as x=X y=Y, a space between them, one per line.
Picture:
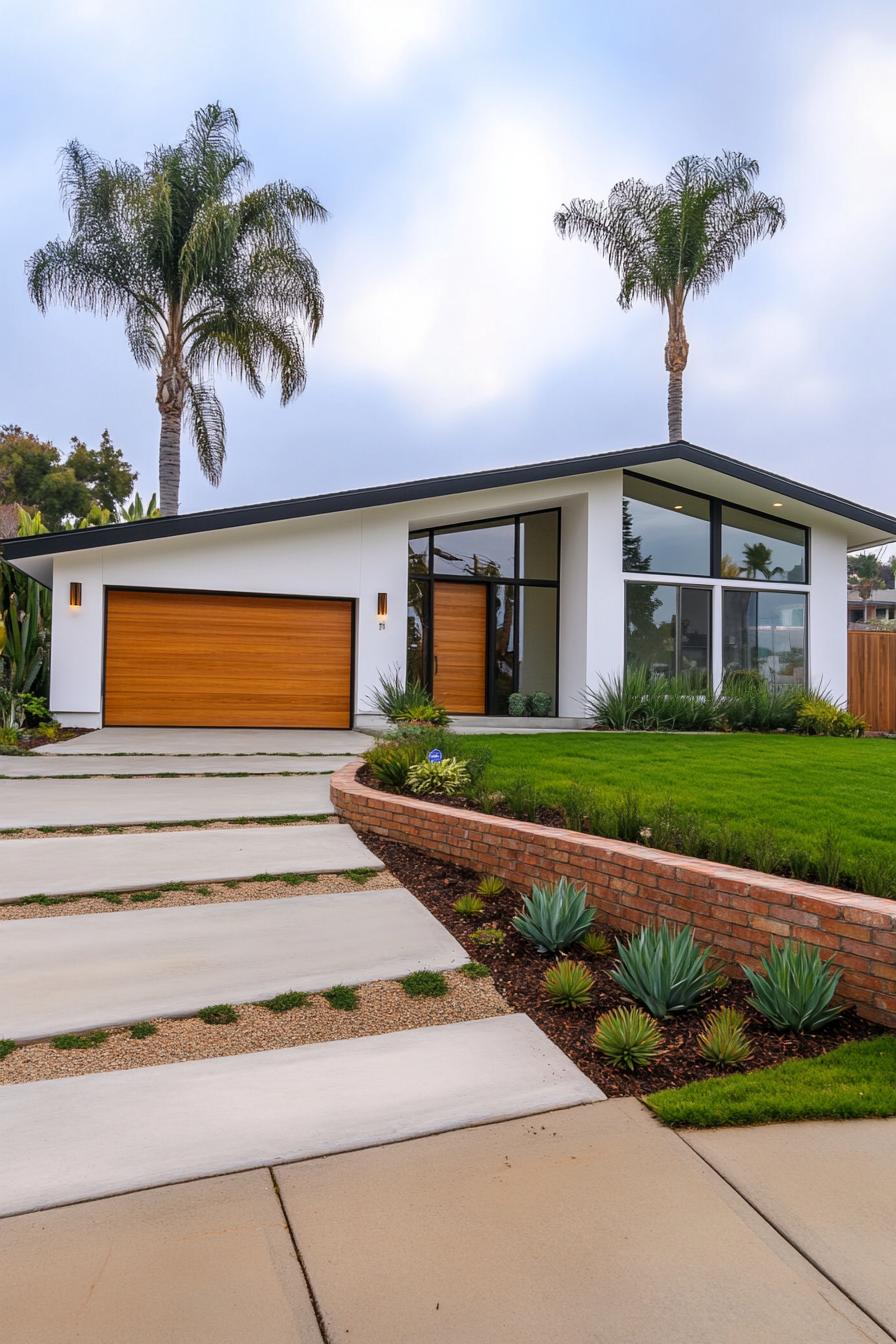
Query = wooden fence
x=872 y=678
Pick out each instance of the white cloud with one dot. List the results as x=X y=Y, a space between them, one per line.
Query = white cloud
x=462 y=292
x=372 y=44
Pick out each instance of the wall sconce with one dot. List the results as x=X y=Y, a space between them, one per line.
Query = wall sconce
x=74 y=595
x=382 y=608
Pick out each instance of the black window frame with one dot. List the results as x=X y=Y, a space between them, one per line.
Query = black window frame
x=716 y=503
x=668 y=583
x=491 y=582
x=760 y=588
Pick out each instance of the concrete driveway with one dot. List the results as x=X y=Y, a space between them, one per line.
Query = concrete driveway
x=212 y=741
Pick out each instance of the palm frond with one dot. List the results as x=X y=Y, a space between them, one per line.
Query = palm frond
x=207 y=428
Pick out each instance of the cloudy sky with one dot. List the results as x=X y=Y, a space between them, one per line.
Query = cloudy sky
x=460 y=333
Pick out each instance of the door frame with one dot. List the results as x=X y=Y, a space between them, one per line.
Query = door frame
x=231 y=592
x=488 y=670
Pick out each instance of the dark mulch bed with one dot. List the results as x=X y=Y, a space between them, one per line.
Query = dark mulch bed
x=28 y=740
x=518 y=969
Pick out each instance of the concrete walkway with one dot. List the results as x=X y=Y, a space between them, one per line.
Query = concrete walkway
x=592 y=1226
x=208 y=741
x=209 y=1262
x=123 y=802
x=830 y=1187
x=69 y=865
x=103 y=970
x=35 y=766
x=106 y=1133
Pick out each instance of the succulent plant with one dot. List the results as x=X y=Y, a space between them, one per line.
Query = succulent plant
x=596 y=944
x=569 y=984
x=488 y=934
x=723 y=1039
x=628 y=1037
x=469 y=905
x=490 y=886
x=665 y=970
x=554 y=917
x=795 y=987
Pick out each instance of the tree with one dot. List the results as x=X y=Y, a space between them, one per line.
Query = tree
x=205 y=277
x=34 y=474
x=758 y=561
x=672 y=241
x=865 y=573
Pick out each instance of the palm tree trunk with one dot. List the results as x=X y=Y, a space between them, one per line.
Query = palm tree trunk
x=169 y=461
x=676 y=354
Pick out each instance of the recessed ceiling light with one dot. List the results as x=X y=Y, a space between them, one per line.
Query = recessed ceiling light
x=777 y=504
x=679 y=506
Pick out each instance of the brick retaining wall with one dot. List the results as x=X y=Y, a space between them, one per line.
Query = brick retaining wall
x=735 y=910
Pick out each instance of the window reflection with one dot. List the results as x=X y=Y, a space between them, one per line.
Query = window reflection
x=765 y=633
x=485 y=551
x=664 y=531
x=668 y=628
x=760 y=548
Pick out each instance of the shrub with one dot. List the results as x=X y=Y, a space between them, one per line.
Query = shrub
x=392 y=762
x=488 y=935
x=9 y=737
x=342 y=997
x=595 y=944
x=89 y=1040
x=218 y=1014
x=425 y=985
x=35 y=711
x=554 y=917
x=540 y=704
x=469 y=905
x=393 y=696
x=569 y=984
x=638 y=700
x=749 y=702
x=491 y=886
x=141 y=1030
x=284 y=1003
x=628 y=1037
x=423 y=712
x=474 y=970
x=723 y=1039
x=449 y=776
x=795 y=987
x=516 y=705
x=819 y=717
x=665 y=970
x=7 y=1047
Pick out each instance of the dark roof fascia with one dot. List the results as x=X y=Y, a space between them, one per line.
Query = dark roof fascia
x=247 y=515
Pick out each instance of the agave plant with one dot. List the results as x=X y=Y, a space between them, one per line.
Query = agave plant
x=628 y=1037
x=569 y=984
x=490 y=886
x=723 y=1039
x=554 y=917
x=469 y=904
x=795 y=987
x=665 y=970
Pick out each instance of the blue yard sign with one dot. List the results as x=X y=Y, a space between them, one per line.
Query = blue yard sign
x=435 y=756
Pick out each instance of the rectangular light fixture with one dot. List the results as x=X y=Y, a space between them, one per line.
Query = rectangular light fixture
x=382 y=606
x=74 y=594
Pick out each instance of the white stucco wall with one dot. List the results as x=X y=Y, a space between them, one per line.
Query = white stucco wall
x=361 y=553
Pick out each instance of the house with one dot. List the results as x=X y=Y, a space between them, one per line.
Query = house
x=879 y=605
x=534 y=578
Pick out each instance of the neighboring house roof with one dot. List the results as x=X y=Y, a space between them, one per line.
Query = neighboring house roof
x=883 y=526
x=878 y=595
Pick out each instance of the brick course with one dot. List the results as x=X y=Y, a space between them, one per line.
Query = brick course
x=736 y=910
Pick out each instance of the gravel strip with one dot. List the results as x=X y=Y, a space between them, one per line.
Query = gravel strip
x=55 y=832
x=211 y=893
x=383 y=1007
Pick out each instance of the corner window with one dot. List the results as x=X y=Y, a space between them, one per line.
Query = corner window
x=664 y=531
x=765 y=633
x=667 y=628
x=761 y=548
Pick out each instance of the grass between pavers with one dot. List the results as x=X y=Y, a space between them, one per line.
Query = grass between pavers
x=855 y=1081
x=769 y=781
x=181 y=774
x=131 y=828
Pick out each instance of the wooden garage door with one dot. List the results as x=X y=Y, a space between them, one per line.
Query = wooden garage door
x=212 y=660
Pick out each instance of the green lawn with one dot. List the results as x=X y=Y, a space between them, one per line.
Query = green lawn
x=851 y=1082
x=795 y=787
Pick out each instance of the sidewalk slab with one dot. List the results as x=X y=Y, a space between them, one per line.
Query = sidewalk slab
x=203 y=741
x=830 y=1187
x=71 y=865
x=126 y=802
x=210 y=1262
x=590 y=1226
x=59 y=975
x=71 y=1139
x=35 y=766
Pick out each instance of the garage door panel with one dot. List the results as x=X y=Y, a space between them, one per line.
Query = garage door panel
x=220 y=661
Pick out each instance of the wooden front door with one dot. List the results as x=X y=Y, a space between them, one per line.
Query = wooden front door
x=459 y=647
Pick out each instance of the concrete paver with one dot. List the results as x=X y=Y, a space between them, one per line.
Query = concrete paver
x=35 y=766
x=68 y=865
x=60 y=975
x=591 y=1226
x=209 y=1262
x=202 y=741
x=124 y=802
x=79 y=1138
x=830 y=1187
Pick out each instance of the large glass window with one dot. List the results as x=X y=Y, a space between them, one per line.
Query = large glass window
x=539 y=549
x=668 y=628
x=761 y=548
x=765 y=633
x=503 y=612
x=664 y=531
x=480 y=550
x=418 y=553
x=418 y=625
x=537 y=640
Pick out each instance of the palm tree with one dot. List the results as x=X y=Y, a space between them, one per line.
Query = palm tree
x=206 y=277
x=758 y=561
x=671 y=241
